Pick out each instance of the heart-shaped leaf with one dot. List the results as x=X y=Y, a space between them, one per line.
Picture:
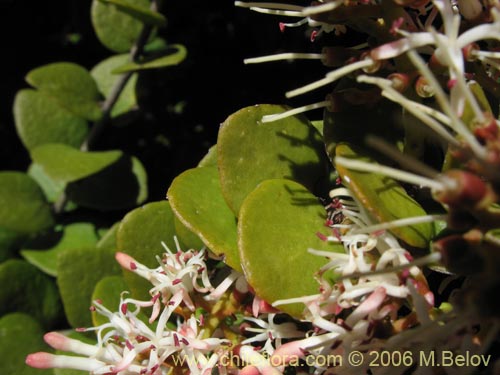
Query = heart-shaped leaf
x=26 y=289
x=23 y=207
x=385 y=200
x=116 y=29
x=141 y=13
x=71 y=85
x=106 y=81
x=278 y=222
x=99 y=191
x=174 y=55
x=66 y=164
x=20 y=335
x=140 y=235
x=78 y=272
x=250 y=151
x=75 y=235
x=196 y=199
x=40 y=119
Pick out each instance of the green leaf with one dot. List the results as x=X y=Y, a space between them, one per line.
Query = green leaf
x=66 y=164
x=78 y=272
x=74 y=236
x=106 y=81
x=278 y=222
x=23 y=207
x=26 y=289
x=71 y=85
x=168 y=59
x=100 y=191
x=250 y=151
x=116 y=29
x=141 y=234
x=108 y=239
x=385 y=200
x=196 y=199
x=51 y=188
x=210 y=159
x=40 y=119
x=20 y=335
x=108 y=291
x=143 y=14
x=187 y=239
x=10 y=241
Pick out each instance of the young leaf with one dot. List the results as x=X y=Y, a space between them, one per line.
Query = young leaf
x=250 y=151
x=74 y=236
x=71 y=85
x=385 y=200
x=23 y=207
x=197 y=201
x=106 y=81
x=168 y=59
x=40 y=119
x=278 y=222
x=141 y=13
x=66 y=164
x=116 y=29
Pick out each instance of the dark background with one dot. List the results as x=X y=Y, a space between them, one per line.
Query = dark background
x=210 y=85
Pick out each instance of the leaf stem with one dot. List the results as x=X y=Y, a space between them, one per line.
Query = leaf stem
x=135 y=52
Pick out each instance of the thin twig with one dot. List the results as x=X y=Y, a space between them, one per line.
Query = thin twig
x=135 y=52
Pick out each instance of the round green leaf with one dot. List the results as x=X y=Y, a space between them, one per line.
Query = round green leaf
x=143 y=14
x=385 y=200
x=116 y=29
x=106 y=81
x=26 y=289
x=196 y=199
x=40 y=119
x=278 y=222
x=174 y=55
x=78 y=272
x=141 y=234
x=23 y=207
x=66 y=164
x=20 y=335
x=250 y=151
x=100 y=191
x=71 y=85
x=75 y=235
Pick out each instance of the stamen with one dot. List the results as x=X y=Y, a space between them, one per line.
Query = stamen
x=284 y=56
x=391 y=172
x=326 y=7
x=399 y=223
x=332 y=77
x=295 y=111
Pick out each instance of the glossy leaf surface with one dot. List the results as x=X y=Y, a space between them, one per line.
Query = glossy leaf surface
x=250 y=151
